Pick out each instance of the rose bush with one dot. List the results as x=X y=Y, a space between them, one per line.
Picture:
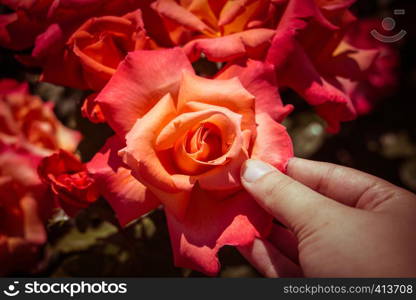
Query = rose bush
x=180 y=142
x=312 y=36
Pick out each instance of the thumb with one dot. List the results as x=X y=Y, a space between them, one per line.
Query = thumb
x=292 y=203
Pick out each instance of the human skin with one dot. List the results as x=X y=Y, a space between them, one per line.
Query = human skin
x=338 y=222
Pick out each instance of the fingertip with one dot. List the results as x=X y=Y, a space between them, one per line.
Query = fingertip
x=253 y=169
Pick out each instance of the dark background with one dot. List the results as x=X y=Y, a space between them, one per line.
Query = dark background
x=382 y=143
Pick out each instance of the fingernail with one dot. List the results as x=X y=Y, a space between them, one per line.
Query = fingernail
x=254 y=169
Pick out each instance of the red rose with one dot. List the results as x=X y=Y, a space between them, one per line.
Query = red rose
x=72 y=185
x=25 y=206
x=180 y=143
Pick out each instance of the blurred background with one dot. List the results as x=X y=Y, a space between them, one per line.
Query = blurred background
x=382 y=143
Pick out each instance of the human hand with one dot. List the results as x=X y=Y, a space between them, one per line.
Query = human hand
x=341 y=222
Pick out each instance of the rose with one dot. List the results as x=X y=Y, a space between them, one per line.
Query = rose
x=19 y=29
x=381 y=77
x=312 y=39
x=70 y=182
x=305 y=40
x=222 y=30
x=94 y=50
x=27 y=121
x=33 y=18
x=78 y=44
x=25 y=206
x=184 y=138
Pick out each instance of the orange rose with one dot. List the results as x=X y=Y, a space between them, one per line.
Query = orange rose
x=222 y=30
x=28 y=121
x=182 y=140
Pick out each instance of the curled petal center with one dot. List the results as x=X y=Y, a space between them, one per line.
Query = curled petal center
x=204 y=143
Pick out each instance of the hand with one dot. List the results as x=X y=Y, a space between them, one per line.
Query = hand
x=340 y=222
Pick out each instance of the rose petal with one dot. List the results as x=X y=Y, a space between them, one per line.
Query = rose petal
x=180 y=125
x=212 y=223
x=177 y=13
x=335 y=4
x=299 y=13
x=91 y=110
x=72 y=185
x=9 y=86
x=227 y=177
x=273 y=143
x=230 y=127
x=331 y=103
x=18 y=30
x=350 y=62
x=231 y=10
x=229 y=135
x=34 y=230
x=49 y=51
x=67 y=139
x=127 y=196
x=140 y=154
x=252 y=43
x=289 y=56
x=140 y=81
x=222 y=93
x=260 y=80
